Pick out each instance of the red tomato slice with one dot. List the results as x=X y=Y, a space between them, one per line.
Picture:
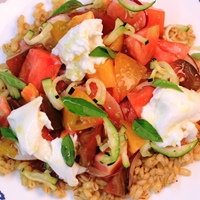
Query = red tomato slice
x=128 y=111
x=170 y=51
x=139 y=99
x=156 y=17
x=107 y=21
x=4 y=111
x=15 y=63
x=128 y=73
x=87 y=150
x=141 y=52
x=137 y=19
x=113 y=110
x=46 y=135
x=38 y=65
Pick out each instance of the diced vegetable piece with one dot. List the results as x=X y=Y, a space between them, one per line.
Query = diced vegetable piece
x=140 y=98
x=29 y=92
x=88 y=150
x=108 y=169
x=4 y=111
x=74 y=122
x=134 y=7
x=156 y=17
x=145 y=150
x=41 y=38
x=134 y=141
x=117 y=184
x=113 y=141
x=113 y=110
x=175 y=152
x=143 y=52
x=52 y=94
x=118 y=43
x=8 y=148
x=187 y=73
x=170 y=51
x=105 y=72
x=44 y=178
x=136 y=19
x=15 y=63
x=38 y=65
x=60 y=28
x=128 y=73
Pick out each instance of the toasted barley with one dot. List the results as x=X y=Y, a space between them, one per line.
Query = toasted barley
x=184 y=172
x=157 y=186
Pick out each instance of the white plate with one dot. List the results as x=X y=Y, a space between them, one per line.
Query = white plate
x=178 y=11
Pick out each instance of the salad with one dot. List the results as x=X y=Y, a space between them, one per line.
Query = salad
x=103 y=95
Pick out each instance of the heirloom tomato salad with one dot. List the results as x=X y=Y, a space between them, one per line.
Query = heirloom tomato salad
x=101 y=90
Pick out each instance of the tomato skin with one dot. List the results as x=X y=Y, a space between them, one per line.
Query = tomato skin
x=39 y=64
x=88 y=150
x=107 y=21
x=4 y=111
x=141 y=52
x=15 y=63
x=105 y=73
x=128 y=111
x=46 y=134
x=156 y=17
x=188 y=73
x=134 y=141
x=113 y=110
x=116 y=10
x=170 y=51
x=108 y=169
x=128 y=73
x=140 y=98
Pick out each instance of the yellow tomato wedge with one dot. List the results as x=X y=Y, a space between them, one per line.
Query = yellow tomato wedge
x=134 y=141
x=61 y=27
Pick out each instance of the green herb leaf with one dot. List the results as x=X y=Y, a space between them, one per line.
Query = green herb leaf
x=9 y=134
x=82 y=107
x=102 y=51
x=166 y=84
x=145 y=130
x=196 y=56
x=67 y=7
x=12 y=80
x=67 y=150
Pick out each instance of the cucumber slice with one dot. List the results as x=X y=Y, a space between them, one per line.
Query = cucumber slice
x=134 y=7
x=45 y=178
x=52 y=94
x=114 y=142
x=174 y=152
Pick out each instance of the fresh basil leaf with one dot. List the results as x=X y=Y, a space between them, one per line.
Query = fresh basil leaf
x=82 y=107
x=68 y=6
x=166 y=84
x=67 y=150
x=196 y=56
x=12 y=80
x=145 y=130
x=102 y=51
x=9 y=134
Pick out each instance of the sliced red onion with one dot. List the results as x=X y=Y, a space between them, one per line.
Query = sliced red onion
x=132 y=168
